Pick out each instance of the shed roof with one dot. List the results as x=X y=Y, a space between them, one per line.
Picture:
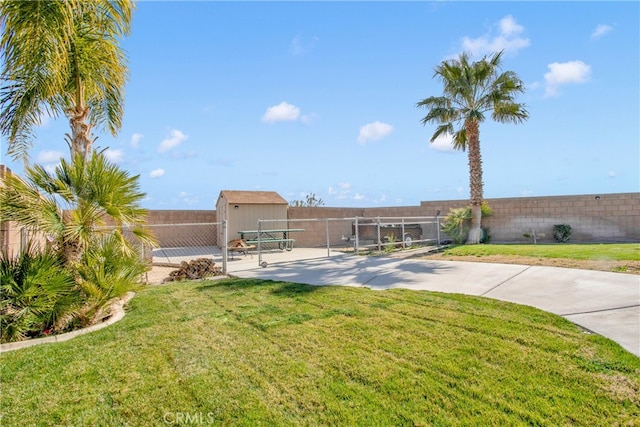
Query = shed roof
x=253 y=197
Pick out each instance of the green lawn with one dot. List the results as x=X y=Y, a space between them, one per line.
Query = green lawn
x=250 y=352
x=617 y=251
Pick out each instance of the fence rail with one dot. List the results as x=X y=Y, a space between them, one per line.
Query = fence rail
x=289 y=240
x=276 y=241
x=279 y=241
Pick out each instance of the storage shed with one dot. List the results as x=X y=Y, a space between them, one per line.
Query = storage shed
x=243 y=209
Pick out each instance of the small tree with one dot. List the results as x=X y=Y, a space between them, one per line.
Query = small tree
x=311 y=201
x=72 y=205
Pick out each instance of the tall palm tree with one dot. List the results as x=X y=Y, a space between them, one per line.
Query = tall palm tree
x=472 y=89
x=62 y=57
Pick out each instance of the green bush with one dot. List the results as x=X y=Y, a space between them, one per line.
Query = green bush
x=458 y=222
x=37 y=295
x=391 y=240
x=561 y=232
x=107 y=272
x=486 y=237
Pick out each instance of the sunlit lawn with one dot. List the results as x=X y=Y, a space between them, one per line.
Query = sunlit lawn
x=250 y=352
x=617 y=251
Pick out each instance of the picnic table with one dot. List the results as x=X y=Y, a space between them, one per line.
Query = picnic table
x=281 y=237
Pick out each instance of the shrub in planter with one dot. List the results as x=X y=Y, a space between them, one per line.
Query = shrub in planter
x=561 y=232
x=37 y=293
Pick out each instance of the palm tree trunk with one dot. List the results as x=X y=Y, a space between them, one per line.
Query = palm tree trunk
x=80 y=139
x=475 y=180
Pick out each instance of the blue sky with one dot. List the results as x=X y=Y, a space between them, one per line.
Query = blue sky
x=319 y=97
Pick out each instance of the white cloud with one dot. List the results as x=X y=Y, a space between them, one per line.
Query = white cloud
x=308 y=119
x=135 y=139
x=49 y=157
x=358 y=196
x=44 y=119
x=612 y=174
x=115 y=156
x=507 y=39
x=174 y=139
x=374 y=132
x=562 y=73
x=187 y=198
x=600 y=31
x=509 y=27
x=342 y=192
x=443 y=143
x=298 y=47
x=283 y=112
x=157 y=173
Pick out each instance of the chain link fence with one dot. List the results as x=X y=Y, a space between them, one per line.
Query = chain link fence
x=195 y=246
x=186 y=251
x=288 y=240
x=389 y=233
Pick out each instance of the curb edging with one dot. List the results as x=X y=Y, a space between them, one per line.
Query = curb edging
x=118 y=314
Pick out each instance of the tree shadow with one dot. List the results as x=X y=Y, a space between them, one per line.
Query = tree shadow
x=277 y=287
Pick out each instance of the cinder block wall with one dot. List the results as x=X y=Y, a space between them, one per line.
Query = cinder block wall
x=610 y=218
x=12 y=237
x=165 y=225
x=315 y=233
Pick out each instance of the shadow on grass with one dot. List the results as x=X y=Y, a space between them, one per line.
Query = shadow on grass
x=276 y=287
x=291 y=290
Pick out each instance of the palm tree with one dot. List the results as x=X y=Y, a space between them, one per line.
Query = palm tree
x=62 y=57
x=73 y=206
x=472 y=89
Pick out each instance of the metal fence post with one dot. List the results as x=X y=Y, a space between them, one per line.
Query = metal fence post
x=378 y=234
x=225 y=253
x=357 y=237
x=326 y=221
x=438 y=228
x=259 y=245
x=403 y=241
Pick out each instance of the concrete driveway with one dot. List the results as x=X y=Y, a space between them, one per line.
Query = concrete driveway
x=604 y=303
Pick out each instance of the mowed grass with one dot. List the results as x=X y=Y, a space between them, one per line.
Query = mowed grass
x=613 y=251
x=250 y=352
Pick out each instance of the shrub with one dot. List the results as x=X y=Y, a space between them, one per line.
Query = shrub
x=561 y=232
x=458 y=222
x=107 y=272
x=486 y=237
x=37 y=295
x=391 y=240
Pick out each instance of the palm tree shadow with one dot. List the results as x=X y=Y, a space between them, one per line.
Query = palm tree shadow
x=277 y=287
x=291 y=290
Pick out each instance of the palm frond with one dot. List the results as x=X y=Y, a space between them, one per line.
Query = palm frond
x=57 y=55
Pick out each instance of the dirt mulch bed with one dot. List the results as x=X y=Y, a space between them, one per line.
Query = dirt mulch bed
x=630 y=267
